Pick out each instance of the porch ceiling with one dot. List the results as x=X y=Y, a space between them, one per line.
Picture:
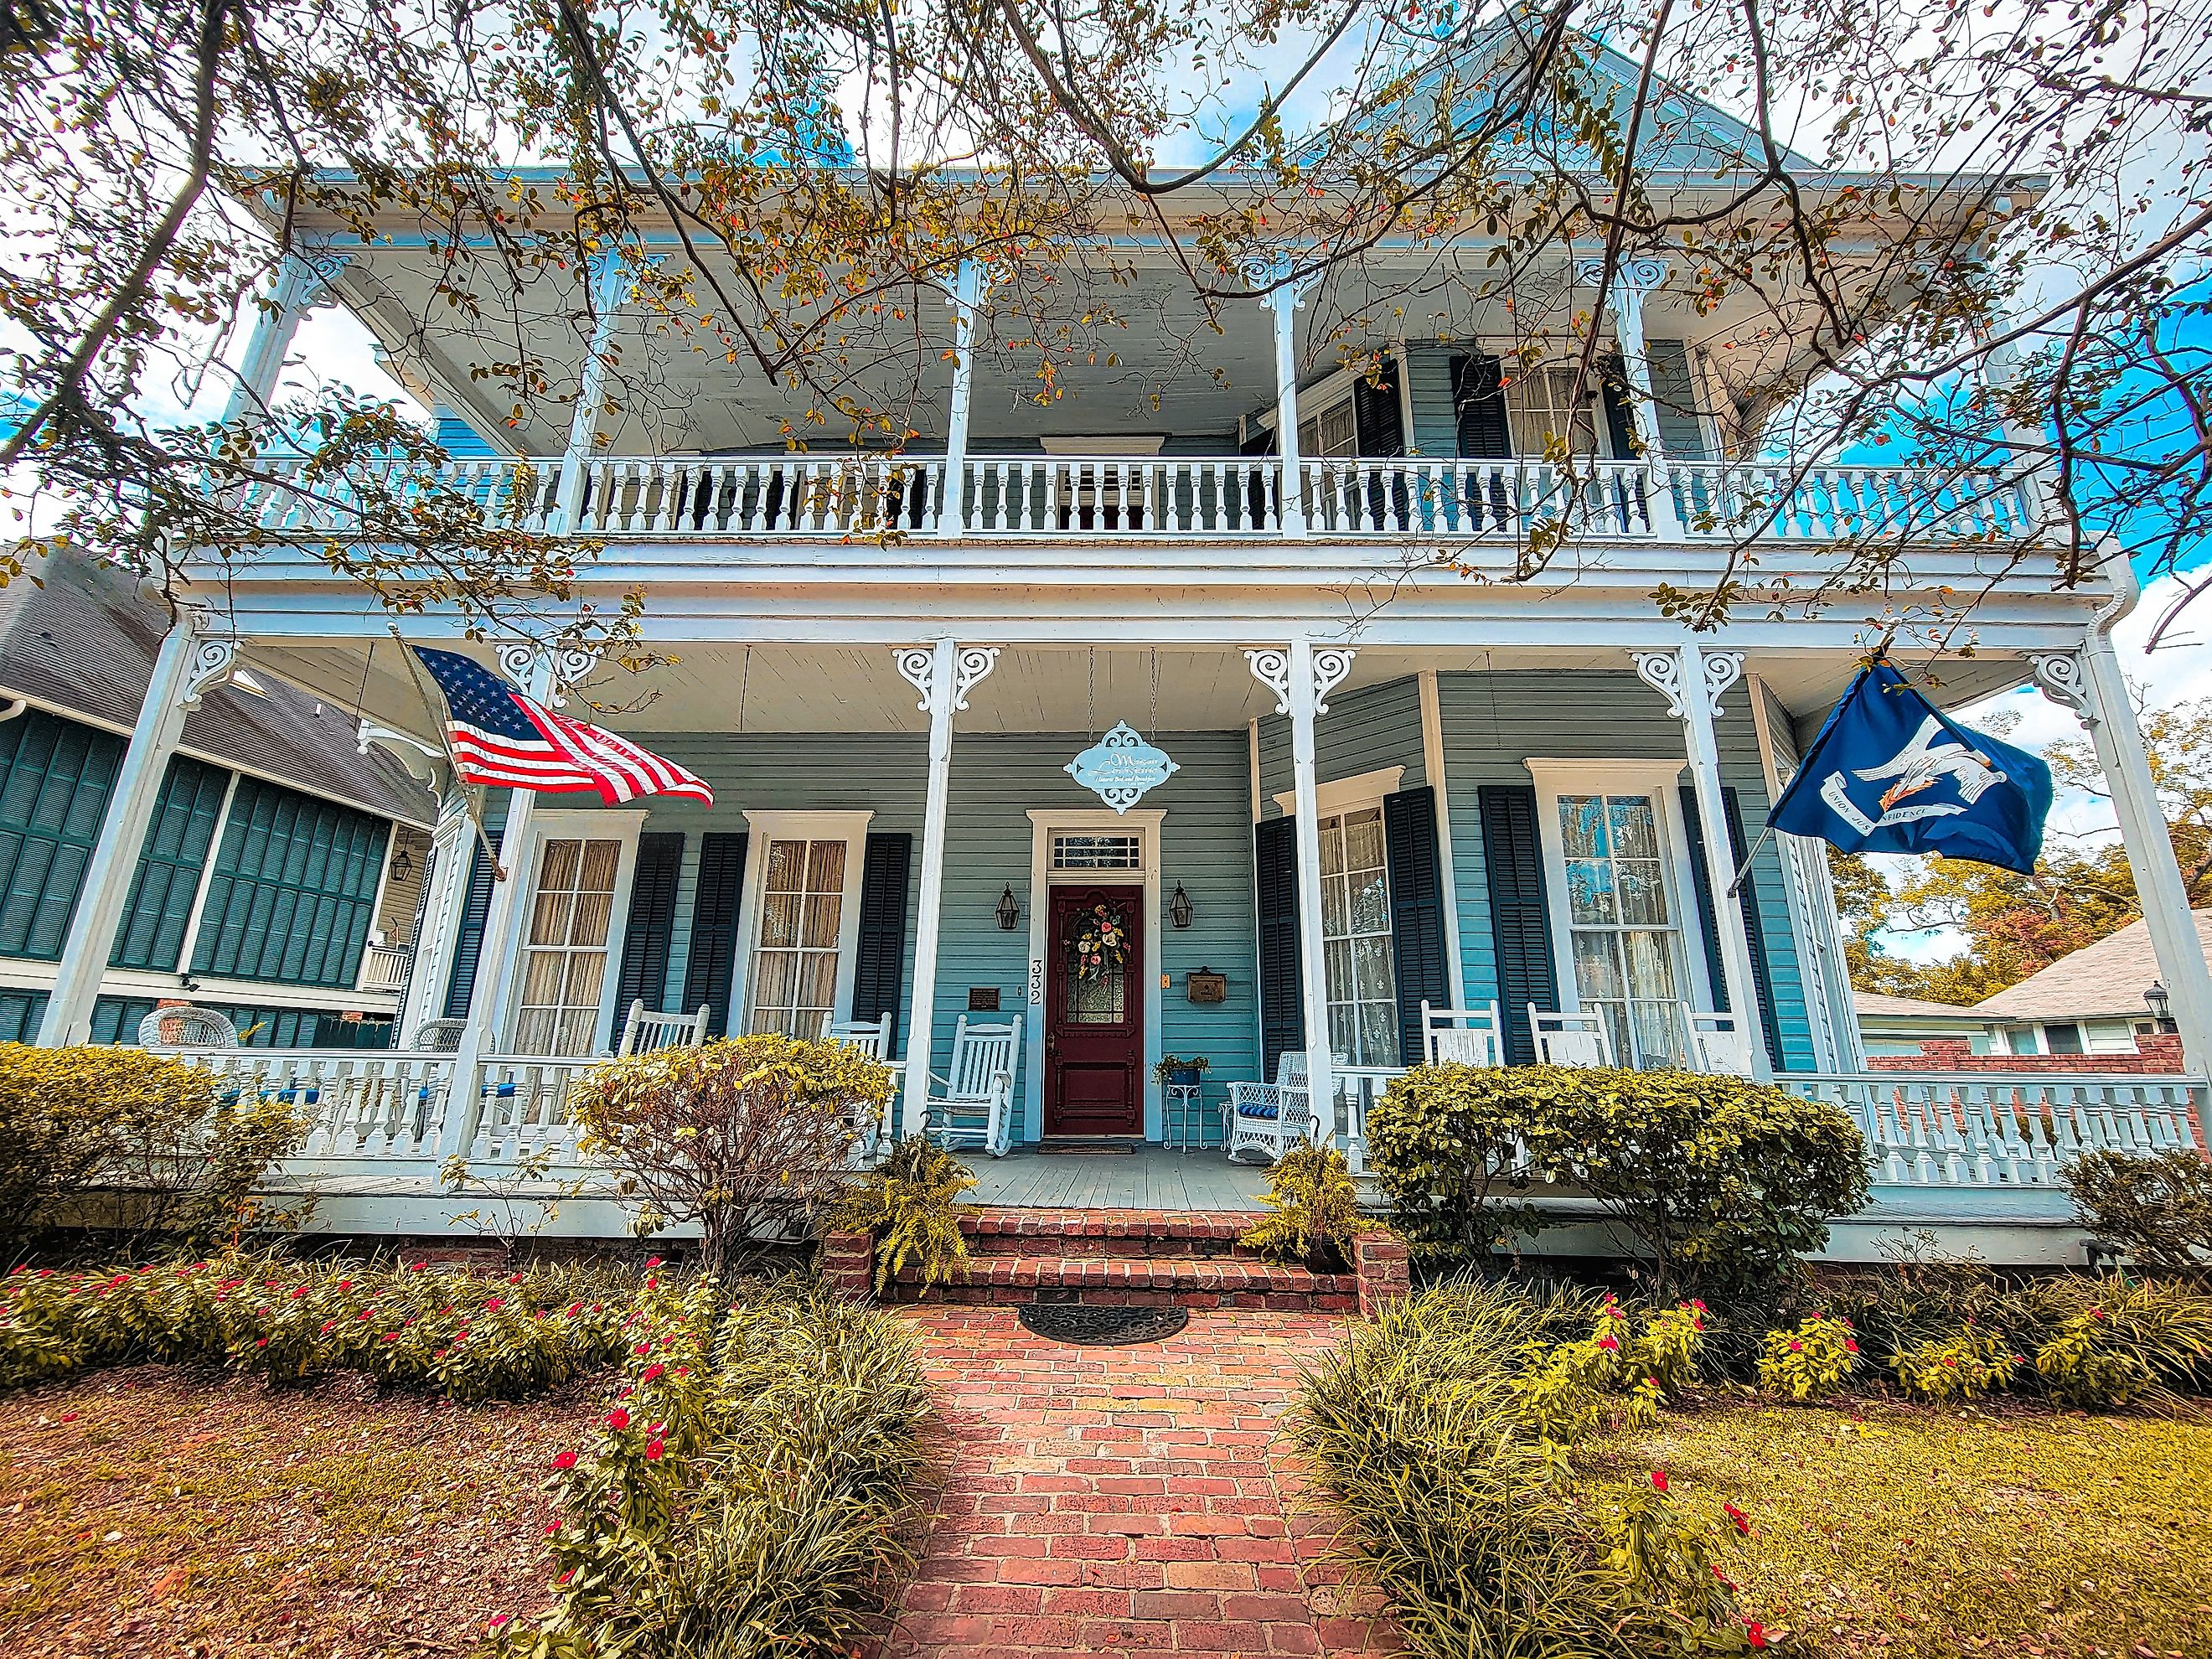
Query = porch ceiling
x=803 y=689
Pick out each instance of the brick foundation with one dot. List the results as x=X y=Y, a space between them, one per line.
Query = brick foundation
x=2158 y=1054
x=1379 y=1261
x=847 y=1266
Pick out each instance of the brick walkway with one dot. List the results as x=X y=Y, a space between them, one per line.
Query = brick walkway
x=1131 y=1501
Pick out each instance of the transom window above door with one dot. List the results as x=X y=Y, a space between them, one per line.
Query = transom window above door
x=1081 y=852
x=1359 y=967
x=802 y=918
x=1624 y=943
x=564 y=958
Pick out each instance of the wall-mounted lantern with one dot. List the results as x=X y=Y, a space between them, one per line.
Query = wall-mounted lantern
x=1179 y=908
x=403 y=865
x=1010 y=910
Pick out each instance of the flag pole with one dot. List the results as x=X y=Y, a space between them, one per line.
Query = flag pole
x=1743 y=870
x=445 y=742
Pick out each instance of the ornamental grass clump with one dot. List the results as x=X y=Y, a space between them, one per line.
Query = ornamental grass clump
x=749 y=1491
x=2128 y=1342
x=1314 y=1210
x=911 y=1205
x=1463 y=1503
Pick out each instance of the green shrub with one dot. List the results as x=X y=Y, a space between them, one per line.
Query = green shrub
x=2154 y=1208
x=1314 y=1208
x=911 y=1204
x=1811 y=1362
x=1723 y=1183
x=1464 y=1509
x=73 y=1119
x=748 y=1138
x=1970 y=1362
x=1564 y=1388
x=2127 y=1341
x=749 y=1493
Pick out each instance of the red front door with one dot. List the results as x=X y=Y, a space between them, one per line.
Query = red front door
x=1094 y=1021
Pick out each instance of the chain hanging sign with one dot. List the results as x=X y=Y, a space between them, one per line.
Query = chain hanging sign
x=1120 y=767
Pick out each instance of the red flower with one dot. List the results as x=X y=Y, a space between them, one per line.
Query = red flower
x=1796 y=1347
x=1756 y=1631
x=643 y=1348
x=1608 y=1342
x=566 y=1460
x=618 y=1419
x=494 y=1306
x=1951 y=1362
x=652 y=1451
x=1851 y=1346
x=1742 y=1525
x=498 y=1619
x=654 y=1262
x=1658 y=1480
x=650 y=1372
x=260 y=1341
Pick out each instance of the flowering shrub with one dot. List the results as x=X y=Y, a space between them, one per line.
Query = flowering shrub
x=2129 y=1341
x=1460 y=1496
x=1966 y=1365
x=746 y=1493
x=467 y=1337
x=1564 y=1391
x=1811 y=1362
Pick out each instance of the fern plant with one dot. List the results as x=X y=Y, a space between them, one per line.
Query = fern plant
x=911 y=1203
x=1313 y=1207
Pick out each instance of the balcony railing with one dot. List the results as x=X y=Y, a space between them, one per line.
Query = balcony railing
x=383 y=968
x=1092 y=498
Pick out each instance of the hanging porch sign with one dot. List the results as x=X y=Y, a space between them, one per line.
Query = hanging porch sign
x=1120 y=767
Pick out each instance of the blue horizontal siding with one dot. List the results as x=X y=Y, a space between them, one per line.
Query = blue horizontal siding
x=1375 y=727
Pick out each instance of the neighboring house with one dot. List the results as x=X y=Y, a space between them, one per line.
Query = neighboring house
x=1402 y=775
x=278 y=879
x=1890 y=1026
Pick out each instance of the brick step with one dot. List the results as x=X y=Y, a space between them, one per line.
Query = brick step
x=1181 y=1281
x=1146 y=1234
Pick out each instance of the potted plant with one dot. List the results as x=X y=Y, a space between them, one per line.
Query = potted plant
x=1172 y=1070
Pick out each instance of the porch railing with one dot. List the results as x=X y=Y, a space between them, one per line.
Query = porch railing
x=384 y=967
x=1104 y=498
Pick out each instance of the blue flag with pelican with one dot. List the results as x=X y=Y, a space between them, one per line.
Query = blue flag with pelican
x=1892 y=773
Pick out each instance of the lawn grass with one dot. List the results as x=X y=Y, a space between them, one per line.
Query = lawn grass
x=170 y=1509
x=1914 y=1532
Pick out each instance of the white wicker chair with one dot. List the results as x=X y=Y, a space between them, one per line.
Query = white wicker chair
x=644 y=1031
x=1272 y=1117
x=1570 y=1039
x=872 y=1131
x=1462 y=1036
x=439 y=1036
x=1719 y=1043
x=975 y=1106
x=180 y=1026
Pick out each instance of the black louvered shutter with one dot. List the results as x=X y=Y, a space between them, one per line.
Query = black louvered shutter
x=1755 y=930
x=711 y=969
x=1620 y=413
x=1520 y=917
x=1478 y=406
x=1282 y=1002
x=1377 y=416
x=652 y=926
x=1417 y=912
x=461 y=985
x=879 y=963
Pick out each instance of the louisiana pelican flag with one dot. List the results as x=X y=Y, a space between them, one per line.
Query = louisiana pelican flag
x=1891 y=773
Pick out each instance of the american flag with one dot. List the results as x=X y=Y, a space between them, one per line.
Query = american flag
x=501 y=737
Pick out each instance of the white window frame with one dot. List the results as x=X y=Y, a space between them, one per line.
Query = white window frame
x=1661 y=780
x=1360 y=793
x=1044 y=825
x=620 y=827
x=764 y=826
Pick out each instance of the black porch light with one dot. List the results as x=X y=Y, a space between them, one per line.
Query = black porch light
x=1179 y=908
x=403 y=865
x=2160 y=1002
x=1010 y=910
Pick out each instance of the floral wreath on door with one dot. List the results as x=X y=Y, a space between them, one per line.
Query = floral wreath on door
x=1102 y=945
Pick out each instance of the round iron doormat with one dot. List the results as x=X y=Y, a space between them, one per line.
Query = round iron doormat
x=1096 y=1325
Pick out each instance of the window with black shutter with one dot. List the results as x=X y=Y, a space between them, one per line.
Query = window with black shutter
x=1275 y=870
x=650 y=929
x=879 y=961
x=1519 y=915
x=1417 y=912
x=710 y=970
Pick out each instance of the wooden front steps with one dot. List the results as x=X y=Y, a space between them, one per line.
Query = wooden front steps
x=1128 y=1257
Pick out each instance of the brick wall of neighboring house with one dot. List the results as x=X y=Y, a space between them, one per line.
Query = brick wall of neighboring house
x=2152 y=1054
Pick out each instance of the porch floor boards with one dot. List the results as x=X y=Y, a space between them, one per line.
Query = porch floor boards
x=1150 y=1179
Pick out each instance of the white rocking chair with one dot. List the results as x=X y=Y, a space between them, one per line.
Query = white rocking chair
x=976 y=1106
x=1570 y=1039
x=1462 y=1036
x=180 y=1026
x=872 y=1131
x=1272 y=1117
x=645 y=1032
x=1720 y=1043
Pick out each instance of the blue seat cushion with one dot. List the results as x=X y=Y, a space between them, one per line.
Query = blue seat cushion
x=1271 y=1113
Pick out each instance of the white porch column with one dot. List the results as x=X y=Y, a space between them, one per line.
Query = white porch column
x=445 y=893
x=304 y=279
x=609 y=284
x=1693 y=681
x=2093 y=685
x=944 y=673
x=967 y=294
x=1283 y=301
x=188 y=664
x=1301 y=678
x=1433 y=766
x=1632 y=280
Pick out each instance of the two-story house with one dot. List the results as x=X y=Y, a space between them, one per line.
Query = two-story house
x=1401 y=773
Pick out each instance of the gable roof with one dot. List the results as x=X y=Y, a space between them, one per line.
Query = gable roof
x=1880 y=1004
x=2106 y=980
x=81 y=641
